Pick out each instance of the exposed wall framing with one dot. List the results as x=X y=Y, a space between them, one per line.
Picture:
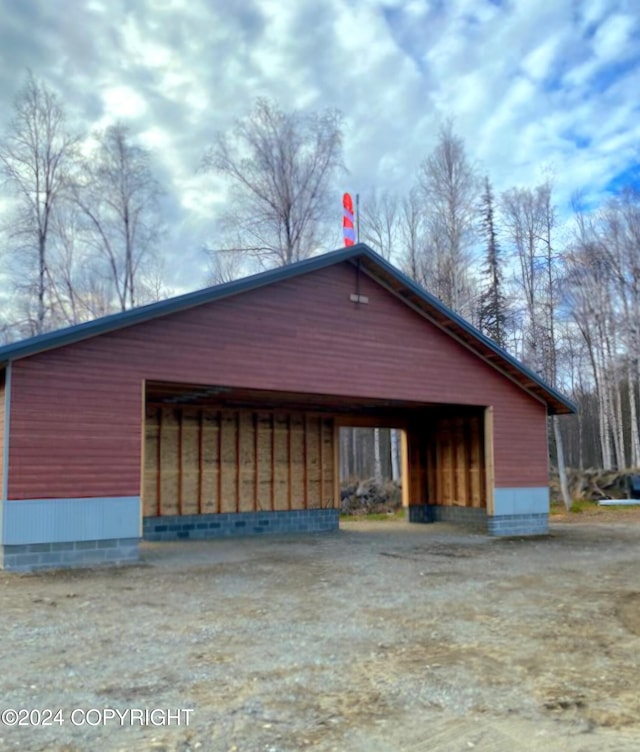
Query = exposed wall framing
x=447 y=460
x=456 y=462
x=207 y=461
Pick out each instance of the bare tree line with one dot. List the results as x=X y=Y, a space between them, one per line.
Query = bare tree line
x=563 y=299
x=81 y=232
x=602 y=298
x=85 y=225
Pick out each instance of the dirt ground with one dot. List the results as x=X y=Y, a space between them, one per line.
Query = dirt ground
x=384 y=636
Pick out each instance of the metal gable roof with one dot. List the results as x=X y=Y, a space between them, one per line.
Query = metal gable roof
x=370 y=262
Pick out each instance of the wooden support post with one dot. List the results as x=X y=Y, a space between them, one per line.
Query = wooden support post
x=289 y=479
x=219 y=491
x=406 y=469
x=200 y=459
x=489 y=459
x=180 y=499
x=439 y=460
x=336 y=466
x=256 y=425
x=475 y=462
x=143 y=456
x=238 y=461
x=305 y=469
x=321 y=458
x=273 y=461
x=159 y=466
x=466 y=439
x=461 y=464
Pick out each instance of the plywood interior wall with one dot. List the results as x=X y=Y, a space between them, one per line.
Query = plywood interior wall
x=446 y=460
x=203 y=461
x=455 y=462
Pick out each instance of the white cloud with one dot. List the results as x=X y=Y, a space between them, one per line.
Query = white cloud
x=528 y=83
x=612 y=41
x=122 y=102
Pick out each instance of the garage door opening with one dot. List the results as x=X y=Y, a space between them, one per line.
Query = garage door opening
x=221 y=461
x=433 y=468
x=450 y=456
x=371 y=471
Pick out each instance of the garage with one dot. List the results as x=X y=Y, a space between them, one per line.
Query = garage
x=216 y=413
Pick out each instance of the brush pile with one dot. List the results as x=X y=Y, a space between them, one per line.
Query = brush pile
x=369 y=497
x=595 y=484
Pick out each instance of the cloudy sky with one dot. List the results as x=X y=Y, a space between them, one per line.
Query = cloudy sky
x=531 y=85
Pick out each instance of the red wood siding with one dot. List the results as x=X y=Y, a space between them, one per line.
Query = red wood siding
x=76 y=411
x=2 y=414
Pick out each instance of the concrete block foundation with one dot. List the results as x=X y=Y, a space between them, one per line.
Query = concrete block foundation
x=468 y=516
x=518 y=524
x=498 y=525
x=29 y=557
x=200 y=526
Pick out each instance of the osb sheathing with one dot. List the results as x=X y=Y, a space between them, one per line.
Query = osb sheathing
x=454 y=462
x=203 y=461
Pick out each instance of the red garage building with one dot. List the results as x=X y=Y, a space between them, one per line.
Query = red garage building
x=216 y=413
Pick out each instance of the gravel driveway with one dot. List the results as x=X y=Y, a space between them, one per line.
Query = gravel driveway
x=384 y=636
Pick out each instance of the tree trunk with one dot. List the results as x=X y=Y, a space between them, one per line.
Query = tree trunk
x=377 y=457
x=353 y=470
x=395 y=455
x=562 y=470
x=633 y=418
x=618 y=436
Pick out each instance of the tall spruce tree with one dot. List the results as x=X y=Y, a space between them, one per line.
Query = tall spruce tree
x=493 y=305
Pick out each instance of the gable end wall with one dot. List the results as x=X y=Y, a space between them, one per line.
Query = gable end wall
x=76 y=411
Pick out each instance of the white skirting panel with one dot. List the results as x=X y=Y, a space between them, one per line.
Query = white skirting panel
x=62 y=520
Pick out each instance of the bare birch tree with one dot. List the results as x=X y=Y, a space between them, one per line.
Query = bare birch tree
x=449 y=185
x=119 y=199
x=589 y=295
x=523 y=219
x=225 y=266
x=605 y=274
x=380 y=220
x=412 y=241
x=621 y=243
x=37 y=155
x=529 y=219
x=279 y=168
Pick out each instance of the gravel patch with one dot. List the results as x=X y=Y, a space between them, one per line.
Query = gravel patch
x=383 y=636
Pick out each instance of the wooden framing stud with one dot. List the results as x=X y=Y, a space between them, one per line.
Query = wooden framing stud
x=159 y=466
x=336 y=465
x=489 y=459
x=237 y=461
x=289 y=474
x=180 y=499
x=404 y=454
x=273 y=462
x=321 y=458
x=305 y=463
x=200 y=459
x=219 y=448
x=256 y=454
